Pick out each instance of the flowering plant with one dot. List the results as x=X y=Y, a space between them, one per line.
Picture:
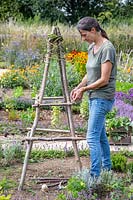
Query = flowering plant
x=118 y=127
x=78 y=59
x=124 y=104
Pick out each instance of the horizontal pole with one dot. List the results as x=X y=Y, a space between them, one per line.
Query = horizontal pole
x=52 y=104
x=51 y=98
x=54 y=139
x=47 y=98
x=51 y=130
x=50 y=178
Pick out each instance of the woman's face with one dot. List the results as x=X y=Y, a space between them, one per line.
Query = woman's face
x=88 y=36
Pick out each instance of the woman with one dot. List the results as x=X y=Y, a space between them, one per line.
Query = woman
x=99 y=82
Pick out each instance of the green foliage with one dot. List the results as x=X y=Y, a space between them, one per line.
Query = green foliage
x=12 y=153
x=6 y=184
x=13 y=115
x=117 y=127
x=120 y=188
x=13 y=79
x=84 y=107
x=123 y=86
x=27 y=116
x=1 y=152
x=54 y=87
x=61 y=196
x=119 y=162
x=8 y=103
x=51 y=10
x=75 y=185
x=3 y=197
x=8 y=9
x=41 y=154
x=106 y=186
x=118 y=123
x=18 y=92
x=8 y=127
x=129 y=167
x=56 y=118
x=21 y=104
x=127 y=153
x=15 y=104
x=34 y=91
x=105 y=16
x=73 y=76
x=11 y=105
x=121 y=41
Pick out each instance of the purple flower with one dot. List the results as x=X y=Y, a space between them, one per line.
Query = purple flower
x=124 y=109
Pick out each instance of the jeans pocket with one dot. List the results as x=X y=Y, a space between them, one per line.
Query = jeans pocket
x=106 y=104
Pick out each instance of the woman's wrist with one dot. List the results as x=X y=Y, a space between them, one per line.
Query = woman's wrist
x=85 y=88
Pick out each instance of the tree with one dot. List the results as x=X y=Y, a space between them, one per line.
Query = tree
x=8 y=9
x=76 y=9
x=65 y=11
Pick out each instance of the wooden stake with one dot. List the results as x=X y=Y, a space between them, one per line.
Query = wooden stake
x=54 y=139
x=47 y=63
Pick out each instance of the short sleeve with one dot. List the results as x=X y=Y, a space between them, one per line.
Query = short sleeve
x=108 y=54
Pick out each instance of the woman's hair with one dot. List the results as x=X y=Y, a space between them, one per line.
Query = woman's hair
x=87 y=23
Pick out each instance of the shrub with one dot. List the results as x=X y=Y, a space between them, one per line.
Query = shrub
x=6 y=184
x=123 y=86
x=129 y=167
x=107 y=186
x=27 y=116
x=75 y=185
x=119 y=162
x=12 y=153
x=12 y=79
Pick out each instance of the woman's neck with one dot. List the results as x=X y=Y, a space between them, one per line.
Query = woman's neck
x=98 y=43
x=99 y=40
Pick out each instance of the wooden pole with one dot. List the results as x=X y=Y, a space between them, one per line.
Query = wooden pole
x=62 y=64
x=54 y=139
x=39 y=100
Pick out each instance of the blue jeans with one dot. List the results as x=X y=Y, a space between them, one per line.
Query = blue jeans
x=96 y=135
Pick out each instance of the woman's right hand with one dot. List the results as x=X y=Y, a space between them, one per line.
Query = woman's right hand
x=72 y=94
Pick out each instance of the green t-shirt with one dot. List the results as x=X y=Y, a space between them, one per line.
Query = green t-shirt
x=93 y=67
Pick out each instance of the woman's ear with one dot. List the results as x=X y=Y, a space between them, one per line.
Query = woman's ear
x=93 y=30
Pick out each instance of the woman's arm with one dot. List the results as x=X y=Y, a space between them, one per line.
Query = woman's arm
x=102 y=81
x=83 y=83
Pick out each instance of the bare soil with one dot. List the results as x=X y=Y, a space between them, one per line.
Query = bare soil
x=58 y=168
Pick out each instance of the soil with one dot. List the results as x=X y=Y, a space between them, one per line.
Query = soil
x=58 y=168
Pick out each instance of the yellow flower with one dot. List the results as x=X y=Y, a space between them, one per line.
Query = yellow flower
x=78 y=59
x=129 y=70
x=82 y=183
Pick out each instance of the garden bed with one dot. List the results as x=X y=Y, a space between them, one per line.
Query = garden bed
x=59 y=168
x=48 y=168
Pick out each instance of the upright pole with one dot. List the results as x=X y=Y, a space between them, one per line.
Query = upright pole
x=39 y=100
